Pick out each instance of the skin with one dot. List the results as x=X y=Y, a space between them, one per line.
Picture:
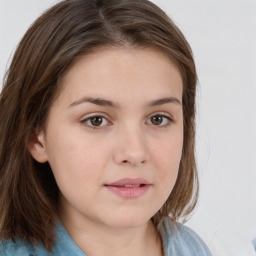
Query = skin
x=126 y=142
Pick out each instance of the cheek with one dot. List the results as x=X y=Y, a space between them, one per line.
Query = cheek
x=76 y=160
x=77 y=167
x=167 y=158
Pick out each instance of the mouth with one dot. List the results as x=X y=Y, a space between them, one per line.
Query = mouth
x=129 y=188
x=132 y=186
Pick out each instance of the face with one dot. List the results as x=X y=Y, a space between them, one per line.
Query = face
x=114 y=136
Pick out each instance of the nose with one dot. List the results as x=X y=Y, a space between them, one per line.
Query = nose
x=131 y=147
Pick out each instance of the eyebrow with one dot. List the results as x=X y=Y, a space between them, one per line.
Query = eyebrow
x=96 y=101
x=108 y=103
x=164 y=101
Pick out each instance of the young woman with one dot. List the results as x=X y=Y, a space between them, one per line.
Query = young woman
x=97 y=135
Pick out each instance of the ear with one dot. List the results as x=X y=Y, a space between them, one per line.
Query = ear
x=37 y=147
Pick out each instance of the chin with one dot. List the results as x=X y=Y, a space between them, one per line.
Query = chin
x=127 y=220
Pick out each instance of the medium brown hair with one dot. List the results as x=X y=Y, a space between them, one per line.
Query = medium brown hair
x=64 y=33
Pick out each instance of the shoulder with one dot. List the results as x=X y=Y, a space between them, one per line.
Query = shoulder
x=17 y=248
x=20 y=248
x=63 y=245
x=254 y=243
x=181 y=240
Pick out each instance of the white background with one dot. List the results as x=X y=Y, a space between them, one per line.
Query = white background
x=223 y=38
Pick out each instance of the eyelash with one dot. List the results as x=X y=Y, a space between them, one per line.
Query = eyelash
x=167 y=119
x=89 y=119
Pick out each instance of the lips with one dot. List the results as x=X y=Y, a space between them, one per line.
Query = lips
x=129 y=188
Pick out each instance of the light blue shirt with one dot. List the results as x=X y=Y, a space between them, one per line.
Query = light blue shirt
x=178 y=240
x=254 y=243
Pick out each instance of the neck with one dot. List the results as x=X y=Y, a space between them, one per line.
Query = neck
x=96 y=239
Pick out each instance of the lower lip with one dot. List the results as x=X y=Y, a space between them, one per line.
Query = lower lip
x=129 y=192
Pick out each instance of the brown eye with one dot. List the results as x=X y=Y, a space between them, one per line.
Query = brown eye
x=156 y=120
x=159 y=120
x=96 y=120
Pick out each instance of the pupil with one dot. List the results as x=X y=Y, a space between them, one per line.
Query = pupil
x=157 y=120
x=96 y=121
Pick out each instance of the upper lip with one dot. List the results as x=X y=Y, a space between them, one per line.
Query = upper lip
x=129 y=181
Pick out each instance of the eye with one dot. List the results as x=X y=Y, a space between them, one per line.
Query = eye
x=159 y=120
x=95 y=122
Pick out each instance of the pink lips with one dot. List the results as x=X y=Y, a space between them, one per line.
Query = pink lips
x=129 y=188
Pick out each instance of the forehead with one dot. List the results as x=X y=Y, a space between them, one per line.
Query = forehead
x=122 y=70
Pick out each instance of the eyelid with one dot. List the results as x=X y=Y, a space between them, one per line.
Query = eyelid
x=89 y=116
x=164 y=115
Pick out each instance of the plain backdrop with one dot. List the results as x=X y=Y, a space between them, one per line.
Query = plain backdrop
x=222 y=35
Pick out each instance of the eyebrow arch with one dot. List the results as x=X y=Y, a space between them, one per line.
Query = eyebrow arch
x=108 y=103
x=164 y=101
x=96 y=101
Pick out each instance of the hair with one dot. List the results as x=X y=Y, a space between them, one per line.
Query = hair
x=54 y=42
